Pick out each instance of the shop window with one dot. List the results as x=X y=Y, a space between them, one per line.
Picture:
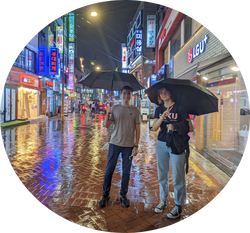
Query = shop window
x=188 y=29
x=227 y=130
x=176 y=42
x=26 y=60
x=165 y=56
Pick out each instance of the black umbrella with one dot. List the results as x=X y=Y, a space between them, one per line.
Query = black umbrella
x=111 y=81
x=196 y=99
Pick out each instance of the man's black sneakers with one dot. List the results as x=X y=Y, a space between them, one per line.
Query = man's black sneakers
x=125 y=201
x=103 y=201
x=175 y=212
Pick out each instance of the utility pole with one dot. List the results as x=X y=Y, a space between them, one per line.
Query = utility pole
x=62 y=76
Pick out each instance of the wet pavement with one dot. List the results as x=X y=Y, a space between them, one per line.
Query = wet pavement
x=62 y=165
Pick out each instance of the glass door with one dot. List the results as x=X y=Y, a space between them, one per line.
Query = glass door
x=2 y=107
x=7 y=104
x=13 y=104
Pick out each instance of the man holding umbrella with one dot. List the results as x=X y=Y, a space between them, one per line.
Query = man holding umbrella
x=124 y=139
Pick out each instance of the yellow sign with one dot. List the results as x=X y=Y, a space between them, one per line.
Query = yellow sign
x=59 y=38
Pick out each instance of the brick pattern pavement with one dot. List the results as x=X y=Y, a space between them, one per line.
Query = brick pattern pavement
x=62 y=165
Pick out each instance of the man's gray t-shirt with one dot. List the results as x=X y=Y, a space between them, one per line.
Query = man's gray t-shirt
x=124 y=119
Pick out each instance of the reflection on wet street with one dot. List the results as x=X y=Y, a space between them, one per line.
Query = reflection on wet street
x=62 y=165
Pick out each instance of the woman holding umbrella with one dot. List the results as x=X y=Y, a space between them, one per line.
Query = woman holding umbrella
x=167 y=116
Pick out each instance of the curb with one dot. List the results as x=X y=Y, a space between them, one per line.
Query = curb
x=9 y=125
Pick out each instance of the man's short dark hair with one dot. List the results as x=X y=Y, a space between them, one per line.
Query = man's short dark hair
x=127 y=88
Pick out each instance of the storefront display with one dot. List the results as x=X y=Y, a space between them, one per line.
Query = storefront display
x=8 y=104
x=27 y=103
x=222 y=134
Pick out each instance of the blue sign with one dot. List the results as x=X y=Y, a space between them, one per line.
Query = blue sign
x=42 y=61
x=153 y=79
x=138 y=42
x=53 y=60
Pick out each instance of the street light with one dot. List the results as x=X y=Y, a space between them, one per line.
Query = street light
x=93 y=14
x=98 y=68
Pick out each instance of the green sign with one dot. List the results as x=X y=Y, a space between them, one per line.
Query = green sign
x=71 y=27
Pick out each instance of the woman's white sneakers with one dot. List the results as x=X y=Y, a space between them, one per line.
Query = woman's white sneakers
x=160 y=207
x=175 y=212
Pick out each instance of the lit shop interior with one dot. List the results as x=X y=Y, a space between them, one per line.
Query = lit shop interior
x=27 y=103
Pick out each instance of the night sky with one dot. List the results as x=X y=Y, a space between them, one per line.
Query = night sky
x=100 y=37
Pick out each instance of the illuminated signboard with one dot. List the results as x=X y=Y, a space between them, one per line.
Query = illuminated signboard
x=53 y=61
x=28 y=80
x=50 y=38
x=197 y=50
x=71 y=66
x=49 y=83
x=59 y=38
x=124 y=57
x=71 y=27
x=42 y=61
x=138 y=42
x=151 y=30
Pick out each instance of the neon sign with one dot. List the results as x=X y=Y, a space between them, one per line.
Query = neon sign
x=151 y=30
x=71 y=66
x=71 y=27
x=59 y=38
x=53 y=61
x=138 y=42
x=197 y=50
x=49 y=83
x=42 y=61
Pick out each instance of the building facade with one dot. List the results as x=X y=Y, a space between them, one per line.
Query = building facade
x=188 y=50
x=21 y=95
x=141 y=40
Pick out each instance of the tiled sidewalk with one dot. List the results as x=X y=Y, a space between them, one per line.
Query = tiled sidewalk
x=65 y=168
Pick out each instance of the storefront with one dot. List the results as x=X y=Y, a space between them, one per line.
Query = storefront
x=28 y=97
x=56 y=97
x=206 y=61
x=8 y=103
x=48 y=86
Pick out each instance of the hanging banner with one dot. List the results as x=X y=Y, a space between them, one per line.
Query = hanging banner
x=71 y=27
x=71 y=66
x=124 y=56
x=59 y=38
x=42 y=61
x=53 y=61
x=151 y=31
x=138 y=42
x=50 y=38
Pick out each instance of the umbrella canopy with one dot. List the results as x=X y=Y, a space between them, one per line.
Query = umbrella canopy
x=112 y=81
x=195 y=99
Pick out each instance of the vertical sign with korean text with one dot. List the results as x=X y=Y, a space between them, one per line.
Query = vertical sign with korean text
x=53 y=60
x=71 y=66
x=124 y=56
x=71 y=27
x=50 y=38
x=151 y=31
x=138 y=42
x=42 y=61
x=59 y=38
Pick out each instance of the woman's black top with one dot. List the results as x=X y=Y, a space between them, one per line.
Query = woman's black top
x=177 y=114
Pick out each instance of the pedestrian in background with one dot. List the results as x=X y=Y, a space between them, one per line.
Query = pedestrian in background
x=93 y=107
x=124 y=139
x=97 y=107
x=166 y=116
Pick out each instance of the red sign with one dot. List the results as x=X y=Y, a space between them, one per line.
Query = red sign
x=163 y=34
x=53 y=61
x=48 y=83
x=28 y=80
x=190 y=55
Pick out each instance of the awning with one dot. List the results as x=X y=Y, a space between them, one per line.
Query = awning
x=190 y=73
x=10 y=85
